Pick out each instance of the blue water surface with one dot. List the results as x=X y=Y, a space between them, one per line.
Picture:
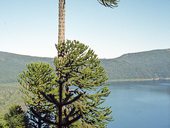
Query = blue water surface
x=140 y=104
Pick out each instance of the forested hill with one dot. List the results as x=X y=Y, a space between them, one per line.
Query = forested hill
x=139 y=66
x=12 y=64
x=134 y=66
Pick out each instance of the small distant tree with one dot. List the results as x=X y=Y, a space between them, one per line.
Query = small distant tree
x=2 y=121
x=1 y=125
x=73 y=93
x=16 y=117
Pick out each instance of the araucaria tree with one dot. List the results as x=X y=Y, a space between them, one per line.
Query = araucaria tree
x=15 y=118
x=72 y=94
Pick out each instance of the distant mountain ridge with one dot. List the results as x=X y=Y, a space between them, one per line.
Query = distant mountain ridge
x=12 y=64
x=150 y=65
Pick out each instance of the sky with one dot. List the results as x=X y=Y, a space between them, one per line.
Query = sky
x=30 y=27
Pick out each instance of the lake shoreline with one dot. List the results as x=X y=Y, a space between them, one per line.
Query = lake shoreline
x=138 y=80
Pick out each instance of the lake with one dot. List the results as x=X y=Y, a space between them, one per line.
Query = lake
x=140 y=104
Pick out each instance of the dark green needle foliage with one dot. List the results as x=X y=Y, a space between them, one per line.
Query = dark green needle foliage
x=72 y=94
x=38 y=77
x=109 y=3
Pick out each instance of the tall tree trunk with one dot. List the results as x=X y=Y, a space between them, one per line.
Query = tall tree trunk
x=61 y=25
x=60 y=107
x=61 y=39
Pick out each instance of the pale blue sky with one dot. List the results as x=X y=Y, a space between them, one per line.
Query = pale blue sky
x=30 y=26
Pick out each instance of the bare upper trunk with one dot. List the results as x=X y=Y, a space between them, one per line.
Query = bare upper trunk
x=61 y=25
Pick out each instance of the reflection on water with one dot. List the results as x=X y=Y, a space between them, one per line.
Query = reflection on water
x=140 y=104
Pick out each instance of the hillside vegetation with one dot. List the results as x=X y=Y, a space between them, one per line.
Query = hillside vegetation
x=9 y=94
x=12 y=64
x=134 y=66
x=150 y=65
